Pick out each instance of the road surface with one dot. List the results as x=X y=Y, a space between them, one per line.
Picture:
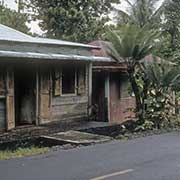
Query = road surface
x=152 y=158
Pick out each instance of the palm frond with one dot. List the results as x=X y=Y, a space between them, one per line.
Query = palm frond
x=162 y=74
x=131 y=42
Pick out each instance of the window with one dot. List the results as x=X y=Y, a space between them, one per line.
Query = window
x=68 y=80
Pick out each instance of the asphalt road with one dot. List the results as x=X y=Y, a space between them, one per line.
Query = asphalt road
x=151 y=158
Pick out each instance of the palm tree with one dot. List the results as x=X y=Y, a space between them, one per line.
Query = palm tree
x=163 y=78
x=141 y=13
x=131 y=44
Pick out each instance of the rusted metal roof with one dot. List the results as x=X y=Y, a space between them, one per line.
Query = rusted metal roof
x=102 y=51
x=9 y=34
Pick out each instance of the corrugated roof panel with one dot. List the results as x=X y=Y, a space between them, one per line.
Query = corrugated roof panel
x=7 y=33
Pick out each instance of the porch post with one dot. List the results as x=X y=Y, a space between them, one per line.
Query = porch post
x=37 y=96
x=90 y=89
x=107 y=95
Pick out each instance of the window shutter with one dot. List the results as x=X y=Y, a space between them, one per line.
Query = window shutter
x=2 y=84
x=10 y=100
x=81 y=81
x=57 y=82
x=45 y=95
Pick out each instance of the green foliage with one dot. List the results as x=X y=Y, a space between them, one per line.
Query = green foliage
x=153 y=82
x=78 y=20
x=22 y=152
x=142 y=13
x=170 y=28
x=163 y=77
x=147 y=125
x=171 y=24
x=131 y=43
x=13 y=19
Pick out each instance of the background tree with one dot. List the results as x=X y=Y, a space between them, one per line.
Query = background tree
x=13 y=19
x=77 y=20
x=171 y=30
x=141 y=13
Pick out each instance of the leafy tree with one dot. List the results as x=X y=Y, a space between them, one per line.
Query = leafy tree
x=77 y=20
x=171 y=25
x=131 y=44
x=171 y=31
x=13 y=19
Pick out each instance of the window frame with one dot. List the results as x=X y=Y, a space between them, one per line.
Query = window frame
x=75 y=85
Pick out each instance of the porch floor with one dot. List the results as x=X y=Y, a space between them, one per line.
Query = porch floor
x=26 y=132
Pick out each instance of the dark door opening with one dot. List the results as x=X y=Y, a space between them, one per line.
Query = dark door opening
x=25 y=96
x=98 y=97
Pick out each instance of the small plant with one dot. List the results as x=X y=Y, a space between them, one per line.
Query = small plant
x=148 y=125
x=22 y=152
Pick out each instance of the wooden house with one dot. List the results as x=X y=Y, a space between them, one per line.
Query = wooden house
x=44 y=80
x=111 y=93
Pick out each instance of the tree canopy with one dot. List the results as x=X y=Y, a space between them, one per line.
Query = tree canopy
x=141 y=13
x=77 y=20
x=13 y=19
x=171 y=30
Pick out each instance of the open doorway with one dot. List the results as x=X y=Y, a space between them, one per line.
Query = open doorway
x=25 y=96
x=99 y=100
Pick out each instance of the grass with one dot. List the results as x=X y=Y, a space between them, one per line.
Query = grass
x=22 y=152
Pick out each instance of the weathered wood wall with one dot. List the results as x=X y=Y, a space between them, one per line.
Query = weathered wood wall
x=121 y=103
x=7 y=108
x=54 y=106
x=2 y=99
x=49 y=107
x=10 y=101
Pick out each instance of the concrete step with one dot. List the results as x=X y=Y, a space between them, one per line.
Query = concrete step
x=77 y=137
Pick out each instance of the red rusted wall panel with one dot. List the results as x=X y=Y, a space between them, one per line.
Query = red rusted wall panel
x=120 y=108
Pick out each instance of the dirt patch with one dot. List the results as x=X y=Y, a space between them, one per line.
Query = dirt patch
x=29 y=132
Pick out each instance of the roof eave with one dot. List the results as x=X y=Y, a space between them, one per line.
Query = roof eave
x=50 y=44
x=43 y=56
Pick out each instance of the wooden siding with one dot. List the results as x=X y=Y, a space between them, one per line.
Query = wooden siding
x=56 y=107
x=10 y=104
x=50 y=107
x=45 y=96
x=2 y=114
x=121 y=103
x=69 y=107
x=2 y=99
